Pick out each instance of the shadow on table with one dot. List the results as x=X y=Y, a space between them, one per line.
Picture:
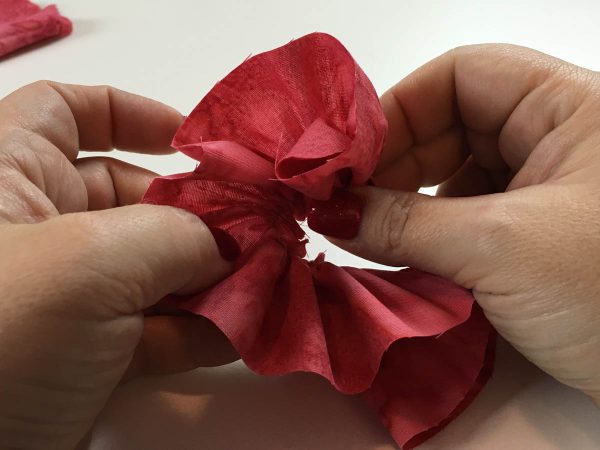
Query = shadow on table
x=81 y=27
x=522 y=408
x=234 y=409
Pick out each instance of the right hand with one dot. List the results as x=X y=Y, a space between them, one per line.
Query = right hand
x=513 y=137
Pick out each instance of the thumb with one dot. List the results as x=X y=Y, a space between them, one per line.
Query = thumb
x=135 y=255
x=450 y=237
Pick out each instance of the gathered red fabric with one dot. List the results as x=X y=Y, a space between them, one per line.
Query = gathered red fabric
x=23 y=23
x=278 y=140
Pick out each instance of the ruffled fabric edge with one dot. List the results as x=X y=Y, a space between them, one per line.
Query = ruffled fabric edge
x=415 y=345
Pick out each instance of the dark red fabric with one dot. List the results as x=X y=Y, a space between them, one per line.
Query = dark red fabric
x=24 y=23
x=277 y=139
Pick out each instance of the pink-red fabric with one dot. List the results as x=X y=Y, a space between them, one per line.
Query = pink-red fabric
x=285 y=131
x=23 y=23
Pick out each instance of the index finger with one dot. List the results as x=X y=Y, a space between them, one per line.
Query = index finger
x=494 y=102
x=74 y=117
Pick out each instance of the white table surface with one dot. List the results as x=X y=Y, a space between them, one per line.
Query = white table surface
x=174 y=51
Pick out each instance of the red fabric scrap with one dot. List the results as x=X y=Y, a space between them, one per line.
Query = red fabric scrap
x=277 y=139
x=23 y=23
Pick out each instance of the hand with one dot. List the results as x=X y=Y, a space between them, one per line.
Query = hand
x=513 y=137
x=74 y=284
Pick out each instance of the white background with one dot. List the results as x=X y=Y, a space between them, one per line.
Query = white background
x=174 y=51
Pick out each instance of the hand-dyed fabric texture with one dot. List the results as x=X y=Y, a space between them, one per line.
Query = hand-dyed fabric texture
x=277 y=140
x=23 y=23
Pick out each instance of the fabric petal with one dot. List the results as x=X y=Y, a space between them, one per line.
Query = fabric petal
x=307 y=107
x=424 y=383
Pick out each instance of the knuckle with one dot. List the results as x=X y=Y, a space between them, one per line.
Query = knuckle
x=395 y=217
x=38 y=90
x=494 y=51
x=106 y=88
x=37 y=86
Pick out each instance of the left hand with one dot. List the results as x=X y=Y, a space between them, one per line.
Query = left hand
x=78 y=268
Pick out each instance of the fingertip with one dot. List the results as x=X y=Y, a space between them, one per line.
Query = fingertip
x=383 y=236
x=144 y=125
x=337 y=217
x=111 y=182
x=212 y=262
x=107 y=118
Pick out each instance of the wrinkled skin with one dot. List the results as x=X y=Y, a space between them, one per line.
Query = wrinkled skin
x=74 y=282
x=513 y=137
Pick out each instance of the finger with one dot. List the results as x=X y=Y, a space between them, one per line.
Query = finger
x=420 y=166
x=74 y=117
x=172 y=344
x=451 y=237
x=133 y=255
x=496 y=101
x=111 y=182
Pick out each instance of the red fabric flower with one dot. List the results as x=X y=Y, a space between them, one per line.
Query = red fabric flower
x=276 y=139
x=24 y=23
x=300 y=114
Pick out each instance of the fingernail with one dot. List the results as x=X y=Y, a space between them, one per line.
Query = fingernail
x=338 y=217
x=228 y=246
